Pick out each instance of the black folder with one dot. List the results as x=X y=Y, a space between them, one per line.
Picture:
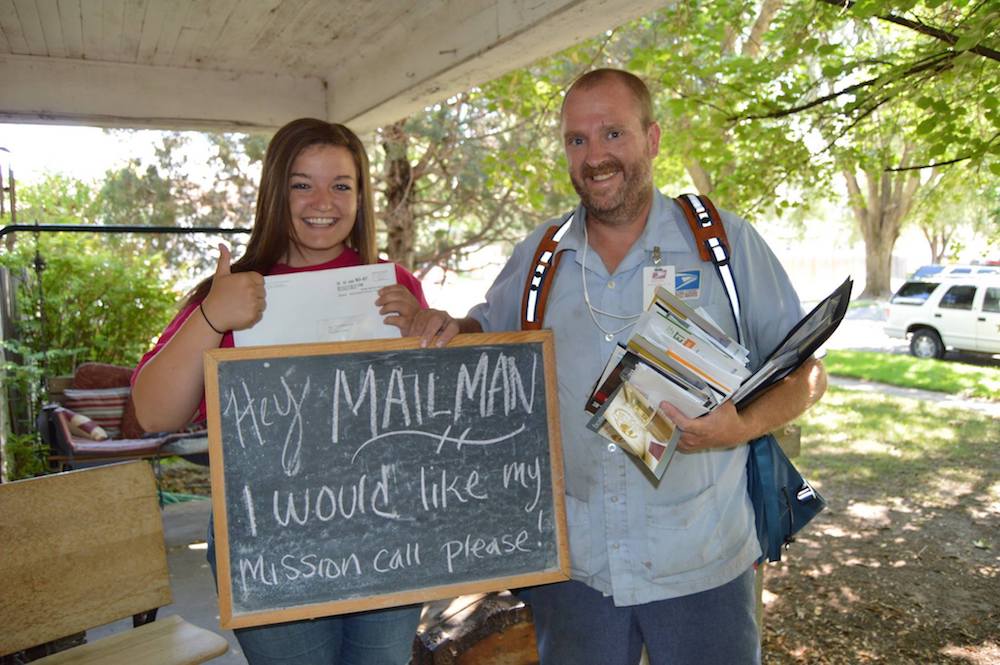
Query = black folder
x=799 y=344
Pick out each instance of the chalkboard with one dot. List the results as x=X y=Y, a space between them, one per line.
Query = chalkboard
x=357 y=475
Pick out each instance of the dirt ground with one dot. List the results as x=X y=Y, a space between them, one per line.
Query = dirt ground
x=906 y=582
x=878 y=578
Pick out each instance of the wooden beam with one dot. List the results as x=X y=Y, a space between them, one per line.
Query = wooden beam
x=48 y=14
x=59 y=91
x=458 y=46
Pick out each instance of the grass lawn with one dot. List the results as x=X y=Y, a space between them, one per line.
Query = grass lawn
x=910 y=372
x=894 y=443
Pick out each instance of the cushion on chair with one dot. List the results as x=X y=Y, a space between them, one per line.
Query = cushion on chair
x=105 y=406
x=82 y=426
x=115 y=448
x=89 y=376
x=103 y=375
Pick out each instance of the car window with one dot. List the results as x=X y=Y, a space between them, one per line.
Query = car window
x=927 y=271
x=991 y=303
x=961 y=271
x=913 y=293
x=958 y=297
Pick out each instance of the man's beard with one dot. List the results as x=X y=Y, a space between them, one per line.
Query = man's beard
x=625 y=204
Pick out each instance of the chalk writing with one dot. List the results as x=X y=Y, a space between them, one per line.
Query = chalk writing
x=358 y=474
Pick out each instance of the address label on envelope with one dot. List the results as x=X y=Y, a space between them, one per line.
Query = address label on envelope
x=335 y=305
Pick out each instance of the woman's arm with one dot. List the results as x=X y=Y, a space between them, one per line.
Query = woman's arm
x=169 y=388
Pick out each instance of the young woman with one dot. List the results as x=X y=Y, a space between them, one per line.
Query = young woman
x=314 y=212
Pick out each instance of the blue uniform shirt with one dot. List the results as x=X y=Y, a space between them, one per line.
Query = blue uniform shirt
x=630 y=537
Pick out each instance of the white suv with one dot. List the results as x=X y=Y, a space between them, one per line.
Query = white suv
x=961 y=312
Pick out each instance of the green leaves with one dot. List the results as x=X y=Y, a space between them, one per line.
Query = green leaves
x=164 y=193
x=927 y=126
x=101 y=304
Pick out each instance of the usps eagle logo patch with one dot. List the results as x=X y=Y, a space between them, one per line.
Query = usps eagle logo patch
x=687 y=284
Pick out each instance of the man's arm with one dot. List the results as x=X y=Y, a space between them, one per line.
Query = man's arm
x=725 y=426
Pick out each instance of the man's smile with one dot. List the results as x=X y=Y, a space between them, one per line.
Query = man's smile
x=602 y=172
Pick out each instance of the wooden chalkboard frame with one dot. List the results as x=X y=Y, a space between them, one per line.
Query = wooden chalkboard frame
x=228 y=619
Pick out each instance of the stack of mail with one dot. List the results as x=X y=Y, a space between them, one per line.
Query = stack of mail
x=674 y=354
x=681 y=356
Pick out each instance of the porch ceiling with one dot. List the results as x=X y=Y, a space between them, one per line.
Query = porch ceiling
x=255 y=64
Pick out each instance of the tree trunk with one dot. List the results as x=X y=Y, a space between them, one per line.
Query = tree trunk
x=938 y=241
x=398 y=214
x=879 y=213
x=768 y=10
x=699 y=176
x=878 y=266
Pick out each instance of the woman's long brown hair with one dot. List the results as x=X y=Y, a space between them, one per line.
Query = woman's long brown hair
x=272 y=233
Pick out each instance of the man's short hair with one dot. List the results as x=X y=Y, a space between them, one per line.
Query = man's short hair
x=635 y=85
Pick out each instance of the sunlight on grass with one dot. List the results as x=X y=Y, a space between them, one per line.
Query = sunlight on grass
x=942 y=453
x=953 y=486
x=908 y=372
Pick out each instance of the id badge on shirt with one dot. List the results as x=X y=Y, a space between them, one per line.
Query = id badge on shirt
x=654 y=276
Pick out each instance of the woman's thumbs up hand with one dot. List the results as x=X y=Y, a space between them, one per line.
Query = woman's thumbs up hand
x=236 y=300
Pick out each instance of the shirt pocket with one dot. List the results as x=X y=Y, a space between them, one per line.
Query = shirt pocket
x=683 y=536
x=578 y=525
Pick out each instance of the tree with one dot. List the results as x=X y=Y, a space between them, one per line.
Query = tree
x=98 y=303
x=943 y=57
x=890 y=101
x=470 y=171
x=957 y=203
x=707 y=62
x=166 y=193
x=88 y=301
x=879 y=209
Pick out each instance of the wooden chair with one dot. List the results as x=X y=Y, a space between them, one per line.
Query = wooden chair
x=129 y=441
x=85 y=548
x=68 y=451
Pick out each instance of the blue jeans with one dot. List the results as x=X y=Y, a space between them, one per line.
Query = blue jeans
x=576 y=624
x=378 y=637
x=381 y=637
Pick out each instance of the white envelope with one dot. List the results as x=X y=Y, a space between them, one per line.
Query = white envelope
x=322 y=306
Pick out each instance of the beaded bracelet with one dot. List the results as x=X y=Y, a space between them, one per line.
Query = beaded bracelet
x=200 y=307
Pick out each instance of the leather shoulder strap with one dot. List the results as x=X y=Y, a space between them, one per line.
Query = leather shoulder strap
x=705 y=223
x=713 y=245
x=543 y=272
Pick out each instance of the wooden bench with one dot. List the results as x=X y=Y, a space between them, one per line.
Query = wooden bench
x=85 y=548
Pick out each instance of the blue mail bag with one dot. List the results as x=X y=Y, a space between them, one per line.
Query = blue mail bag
x=783 y=502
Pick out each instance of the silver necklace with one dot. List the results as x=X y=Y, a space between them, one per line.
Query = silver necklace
x=631 y=318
